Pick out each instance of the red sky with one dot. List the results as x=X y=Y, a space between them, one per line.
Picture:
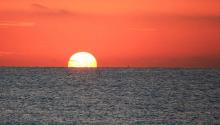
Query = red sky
x=139 y=33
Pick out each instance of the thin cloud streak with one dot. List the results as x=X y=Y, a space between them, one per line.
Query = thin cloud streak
x=5 y=53
x=9 y=53
x=16 y=24
x=39 y=6
x=143 y=29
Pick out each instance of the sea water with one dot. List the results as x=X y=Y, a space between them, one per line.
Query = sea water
x=124 y=96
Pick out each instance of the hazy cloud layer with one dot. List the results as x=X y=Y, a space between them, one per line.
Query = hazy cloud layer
x=36 y=10
x=45 y=10
x=40 y=9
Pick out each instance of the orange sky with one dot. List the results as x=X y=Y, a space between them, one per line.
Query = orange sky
x=148 y=33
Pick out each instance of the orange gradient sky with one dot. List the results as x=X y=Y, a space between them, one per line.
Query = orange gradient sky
x=119 y=33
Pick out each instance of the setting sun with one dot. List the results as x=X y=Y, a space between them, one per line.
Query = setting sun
x=82 y=59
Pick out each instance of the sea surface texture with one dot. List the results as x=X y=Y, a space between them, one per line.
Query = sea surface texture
x=117 y=96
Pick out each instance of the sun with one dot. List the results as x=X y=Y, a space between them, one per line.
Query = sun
x=82 y=59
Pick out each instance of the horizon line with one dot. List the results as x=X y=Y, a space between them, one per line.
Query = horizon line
x=117 y=67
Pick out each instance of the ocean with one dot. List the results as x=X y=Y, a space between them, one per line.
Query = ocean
x=115 y=96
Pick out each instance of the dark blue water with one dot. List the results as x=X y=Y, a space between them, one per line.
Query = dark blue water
x=102 y=96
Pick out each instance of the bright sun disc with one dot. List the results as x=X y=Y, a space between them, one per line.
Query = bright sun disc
x=82 y=59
